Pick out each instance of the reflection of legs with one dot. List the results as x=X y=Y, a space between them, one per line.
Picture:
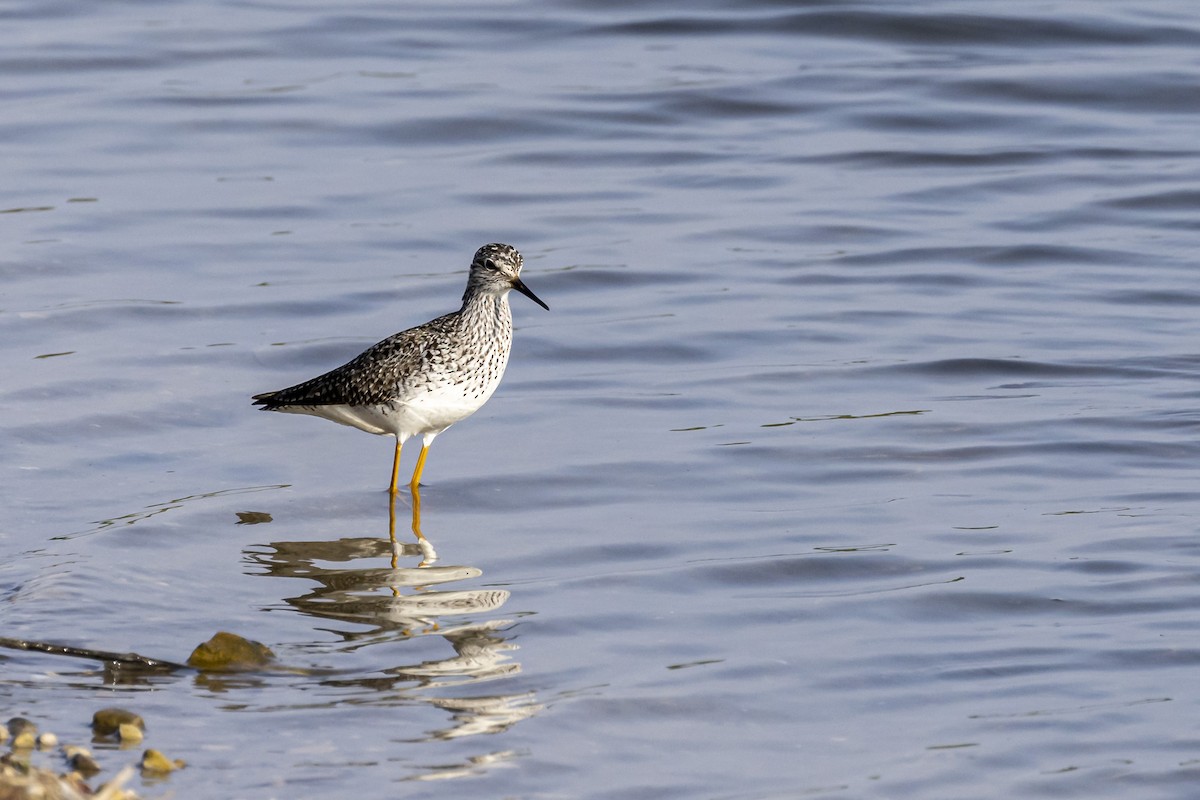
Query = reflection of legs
x=427 y=551
x=416 y=515
x=396 y=466
x=429 y=555
x=416 y=478
x=392 y=532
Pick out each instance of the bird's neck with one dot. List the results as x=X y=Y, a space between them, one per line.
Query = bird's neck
x=487 y=314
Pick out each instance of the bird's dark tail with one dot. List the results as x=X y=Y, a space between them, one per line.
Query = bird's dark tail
x=266 y=400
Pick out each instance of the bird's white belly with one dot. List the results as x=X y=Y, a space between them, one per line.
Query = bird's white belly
x=429 y=412
x=434 y=411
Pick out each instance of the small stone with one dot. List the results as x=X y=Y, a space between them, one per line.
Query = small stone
x=47 y=741
x=19 y=725
x=25 y=740
x=82 y=762
x=154 y=761
x=228 y=652
x=108 y=721
x=129 y=733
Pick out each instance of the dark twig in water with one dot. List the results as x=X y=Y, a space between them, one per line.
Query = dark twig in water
x=120 y=659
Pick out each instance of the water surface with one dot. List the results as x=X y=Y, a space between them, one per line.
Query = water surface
x=854 y=459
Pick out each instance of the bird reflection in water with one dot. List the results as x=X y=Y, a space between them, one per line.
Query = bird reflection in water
x=396 y=600
x=408 y=605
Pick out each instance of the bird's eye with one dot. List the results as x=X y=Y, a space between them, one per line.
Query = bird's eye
x=492 y=265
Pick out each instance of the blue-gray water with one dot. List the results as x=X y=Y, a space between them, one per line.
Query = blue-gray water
x=855 y=459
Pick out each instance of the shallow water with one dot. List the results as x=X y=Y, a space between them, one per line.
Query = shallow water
x=854 y=459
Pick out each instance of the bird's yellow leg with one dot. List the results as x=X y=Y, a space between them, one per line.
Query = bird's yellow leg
x=396 y=466
x=416 y=478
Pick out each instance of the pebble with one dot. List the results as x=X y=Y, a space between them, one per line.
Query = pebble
x=24 y=732
x=129 y=733
x=108 y=721
x=20 y=724
x=154 y=761
x=25 y=740
x=80 y=760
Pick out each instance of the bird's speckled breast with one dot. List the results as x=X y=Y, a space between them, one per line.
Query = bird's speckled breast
x=460 y=372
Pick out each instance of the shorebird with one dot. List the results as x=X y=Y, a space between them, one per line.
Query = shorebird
x=422 y=380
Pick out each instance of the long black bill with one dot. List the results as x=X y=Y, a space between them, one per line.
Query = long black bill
x=525 y=290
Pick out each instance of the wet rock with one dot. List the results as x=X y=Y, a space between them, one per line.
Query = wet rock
x=80 y=760
x=23 y=731
x=108 y=721
x=228 y=652
x=129 y=733
x=155 y=763
x=25 y=740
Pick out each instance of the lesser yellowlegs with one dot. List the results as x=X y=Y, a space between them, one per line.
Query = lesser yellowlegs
x=424 y=379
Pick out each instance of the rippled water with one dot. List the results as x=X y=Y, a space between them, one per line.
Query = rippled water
x=856 y=457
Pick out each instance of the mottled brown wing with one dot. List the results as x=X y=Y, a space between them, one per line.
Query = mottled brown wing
x=375 y=376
